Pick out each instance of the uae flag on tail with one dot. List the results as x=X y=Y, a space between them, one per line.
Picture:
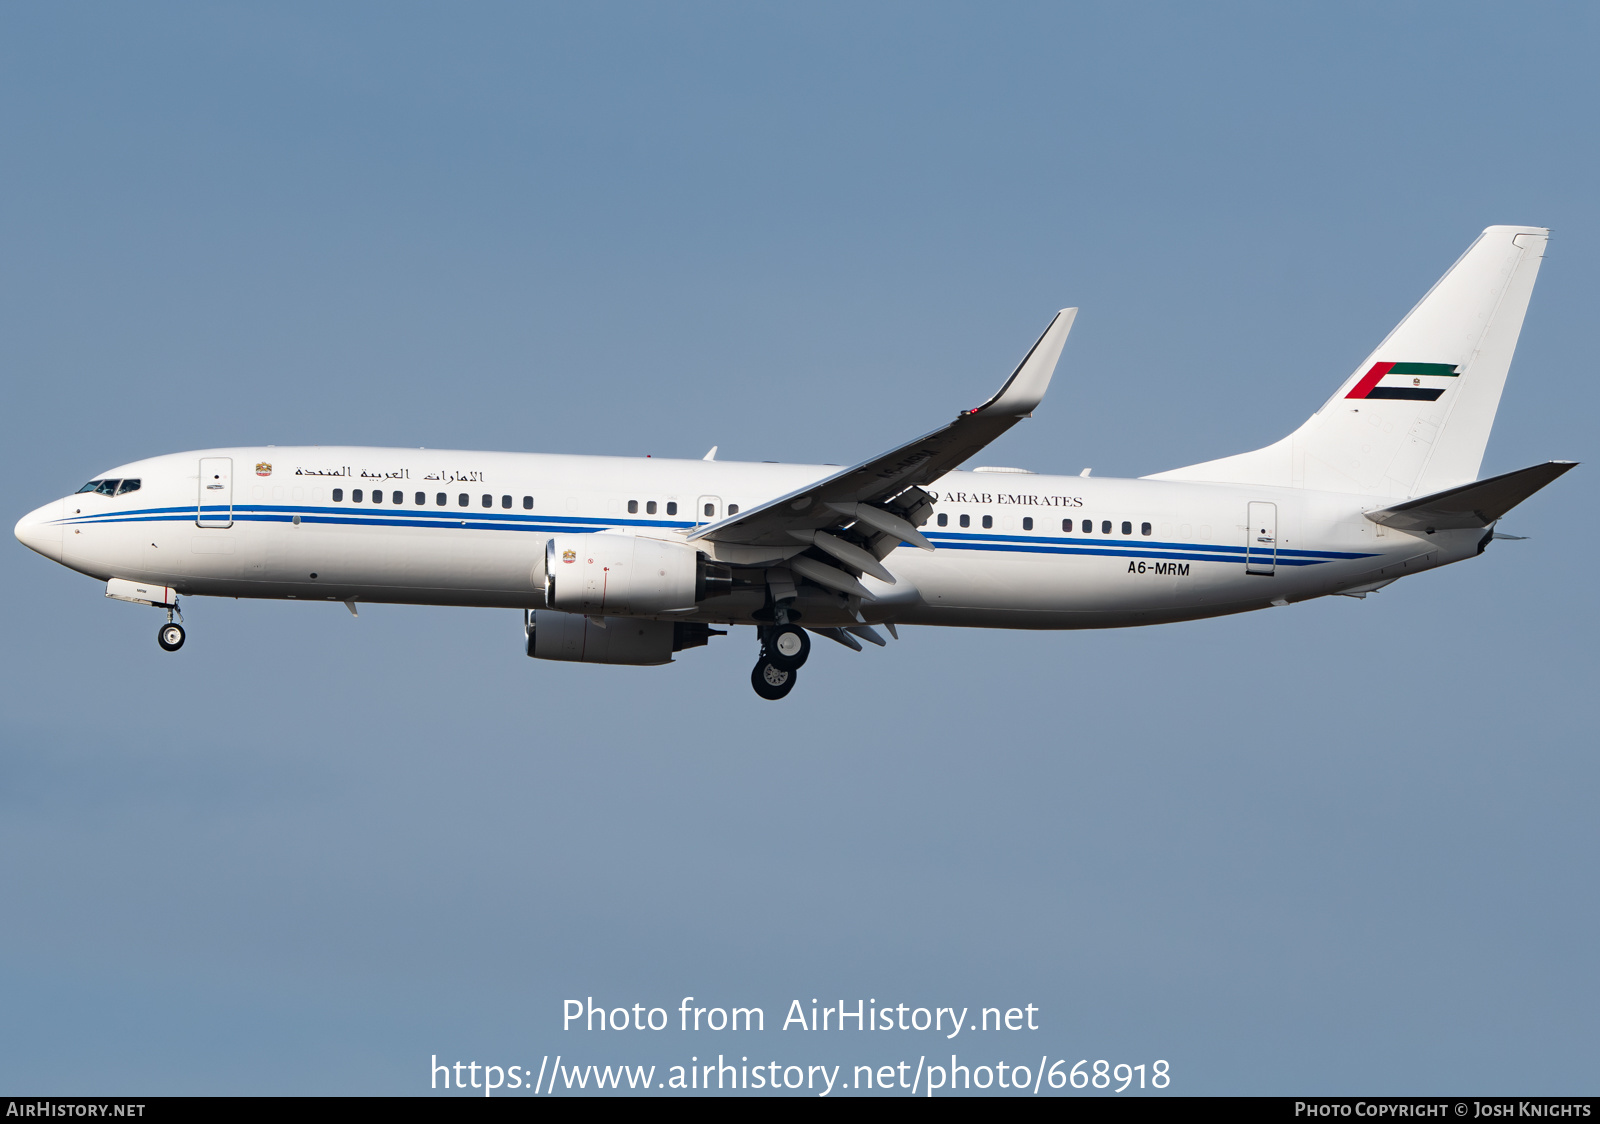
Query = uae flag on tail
x=1416 y=382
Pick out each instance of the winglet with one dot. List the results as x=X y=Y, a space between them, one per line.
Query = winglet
x=1024 y=390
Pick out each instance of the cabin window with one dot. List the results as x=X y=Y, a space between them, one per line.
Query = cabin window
x=988 y=521
x=440 y=498
x=1127 y=527
x=377 y=495
x=421 y=499
x=672 y=507
x=1105 y=526
x=463 y=500
x=966 y=520
x=399 y=497
x=488 y=501
x=733 y=508
x=1027 y=522
x=527 y=503
x=505 y=502
x=1144 y=528
x=1086 y=527
x=633 y=507
x=338 y=495
x=649 y=507
x=355 y=496
x=711 y=509
x=1066 y=524
x=944 y=519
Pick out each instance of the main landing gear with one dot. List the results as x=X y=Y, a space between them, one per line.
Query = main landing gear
x=170 y=635
x=770 y=681
x=788 y=646
x=784 y=649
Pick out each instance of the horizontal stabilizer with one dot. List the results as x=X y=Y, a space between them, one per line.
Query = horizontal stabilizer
x=1471 y=506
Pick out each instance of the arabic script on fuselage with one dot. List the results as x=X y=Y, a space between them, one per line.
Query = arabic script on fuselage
x=443 y=476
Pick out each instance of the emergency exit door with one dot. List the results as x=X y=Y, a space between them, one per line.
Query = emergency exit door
x=216 y=493
x=1261 y=540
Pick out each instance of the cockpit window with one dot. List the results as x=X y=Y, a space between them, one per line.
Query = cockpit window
x=110 y=487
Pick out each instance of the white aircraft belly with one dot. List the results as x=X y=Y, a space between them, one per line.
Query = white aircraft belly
x=1056 y=582
x=452 y=565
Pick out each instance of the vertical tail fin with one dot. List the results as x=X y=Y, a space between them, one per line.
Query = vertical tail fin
x=1414 y=418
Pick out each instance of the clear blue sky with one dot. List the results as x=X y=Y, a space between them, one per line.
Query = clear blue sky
x=1345 y=847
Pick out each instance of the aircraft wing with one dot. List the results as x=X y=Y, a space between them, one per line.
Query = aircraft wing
x=854 y=495
x=1474 y=505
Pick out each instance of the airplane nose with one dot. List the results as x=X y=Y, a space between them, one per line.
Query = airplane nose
x=39 y=530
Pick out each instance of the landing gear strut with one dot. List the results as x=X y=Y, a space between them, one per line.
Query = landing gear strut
x=170 y=635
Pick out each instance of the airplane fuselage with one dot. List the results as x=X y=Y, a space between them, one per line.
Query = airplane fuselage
x=442 y=527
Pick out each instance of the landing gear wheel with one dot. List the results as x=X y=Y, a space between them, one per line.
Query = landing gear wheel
x=170 y=637
x=771 y=681
x=788 y=646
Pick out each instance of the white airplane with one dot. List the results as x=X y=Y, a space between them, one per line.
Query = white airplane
x=621 y=560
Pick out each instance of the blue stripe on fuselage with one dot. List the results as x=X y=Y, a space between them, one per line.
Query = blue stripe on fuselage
x=512 y=521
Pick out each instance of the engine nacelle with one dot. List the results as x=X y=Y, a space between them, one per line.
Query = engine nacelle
x=604 y=574
x=577 y=639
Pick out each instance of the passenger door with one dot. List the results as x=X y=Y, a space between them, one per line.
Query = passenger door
x=1261 y=540
x=215 y=508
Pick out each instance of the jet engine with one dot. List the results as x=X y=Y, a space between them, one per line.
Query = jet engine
x=605 y=574
x=579 y=639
